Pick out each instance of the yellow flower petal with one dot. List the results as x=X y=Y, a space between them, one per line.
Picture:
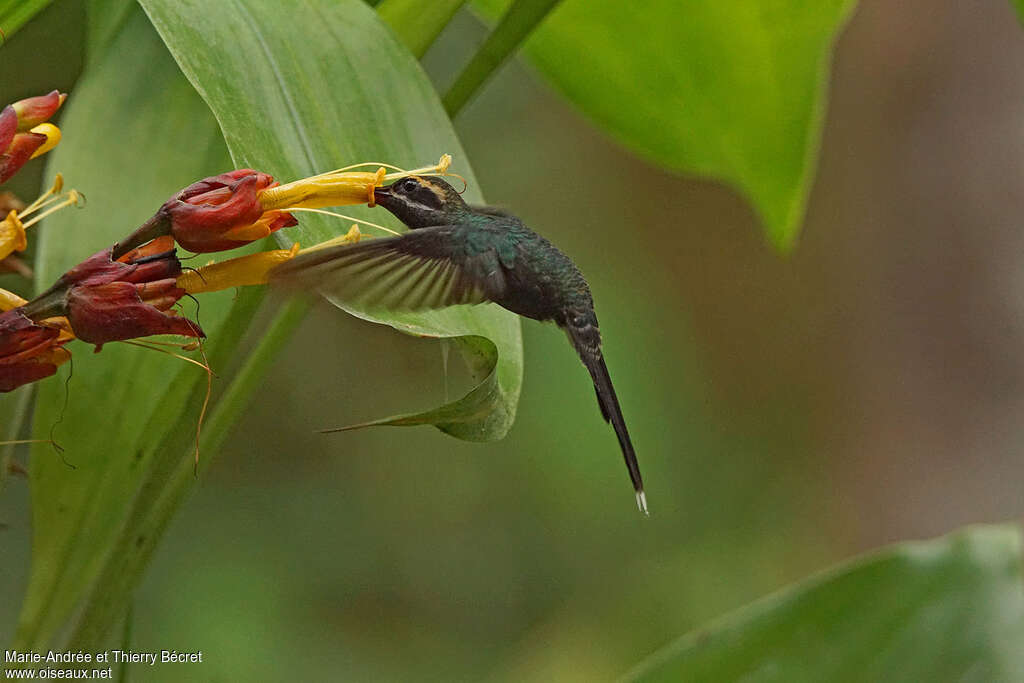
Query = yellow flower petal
x=236 y=272
x=52 y=134
x=12 y=235
x=9 y=300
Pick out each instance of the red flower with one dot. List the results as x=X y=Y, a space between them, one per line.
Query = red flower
x=223 y=212
x=35 y=110
x=109 y=300
x=29 y=351
x=215 y=214
x=24 y=133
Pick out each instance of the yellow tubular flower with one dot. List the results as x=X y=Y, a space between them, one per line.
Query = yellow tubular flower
x=236 y=272
x=340 y=187
x=317 y=192
x=253 y=269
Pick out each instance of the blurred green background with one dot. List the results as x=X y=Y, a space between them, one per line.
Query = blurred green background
x=787 y=411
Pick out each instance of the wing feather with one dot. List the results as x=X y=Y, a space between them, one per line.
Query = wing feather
x=421 y=269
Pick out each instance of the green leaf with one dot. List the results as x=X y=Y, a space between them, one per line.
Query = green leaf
x=950 y=609
x=15 y=13
x=1019 y=5
x=134 y=133
x=105 y=19
x=348 y=93
x=732 y=89
x=416 y=23
x=521 y=18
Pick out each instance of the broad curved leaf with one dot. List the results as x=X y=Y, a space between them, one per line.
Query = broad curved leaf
x=732 y=89
x=346 y=92
x=950 y=609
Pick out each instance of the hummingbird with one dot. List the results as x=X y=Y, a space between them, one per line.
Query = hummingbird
x=456 y=253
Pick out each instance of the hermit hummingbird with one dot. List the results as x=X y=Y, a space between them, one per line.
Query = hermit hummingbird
x=456 y=253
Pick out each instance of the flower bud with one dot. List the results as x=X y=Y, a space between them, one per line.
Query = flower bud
x=24 y=133
x=109 y=300
x=22 y=148
x=223 y=212
x=32 y=111
x=29 y=351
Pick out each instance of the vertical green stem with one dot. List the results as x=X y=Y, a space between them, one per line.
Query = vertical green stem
x=418 y=23
x=519 y=21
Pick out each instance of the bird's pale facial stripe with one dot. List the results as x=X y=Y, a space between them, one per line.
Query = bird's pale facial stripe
x=438 y=192
x=420 y=205
x=421 y=199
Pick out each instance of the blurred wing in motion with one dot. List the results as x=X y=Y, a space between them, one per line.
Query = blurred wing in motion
x=421 y=269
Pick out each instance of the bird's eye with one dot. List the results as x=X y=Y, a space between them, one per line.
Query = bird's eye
x=408 y=185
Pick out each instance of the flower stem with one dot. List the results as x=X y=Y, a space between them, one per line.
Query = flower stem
x=519 y=21
x=156 y=226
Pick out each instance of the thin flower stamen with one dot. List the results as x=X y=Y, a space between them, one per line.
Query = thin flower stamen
x=347 y=218
x=440 y=168
x=152 y=346
x=352 y=236
x=71 y=198
x=46 y=197
x=12 y=227
x=365 y=164
x=202 y=411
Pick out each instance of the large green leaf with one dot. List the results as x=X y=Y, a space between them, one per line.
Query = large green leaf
x=134 y=132
x=347 y=92
x=732 y=89
x=950 y=609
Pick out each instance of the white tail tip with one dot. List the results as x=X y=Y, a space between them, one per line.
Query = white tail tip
x=641 y=502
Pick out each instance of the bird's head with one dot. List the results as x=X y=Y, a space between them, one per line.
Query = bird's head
x=421 y=201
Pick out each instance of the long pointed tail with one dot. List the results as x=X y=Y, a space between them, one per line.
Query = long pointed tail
x=584 y=335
